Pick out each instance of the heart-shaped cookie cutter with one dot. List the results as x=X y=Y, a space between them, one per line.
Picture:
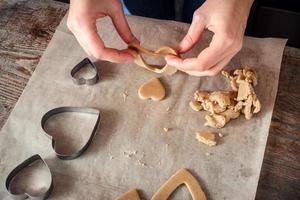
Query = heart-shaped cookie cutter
x=28 y=162
x=58 y=110
x=82 y=81
x=162 y=51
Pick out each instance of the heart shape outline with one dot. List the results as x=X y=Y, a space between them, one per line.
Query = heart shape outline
x=130 y=195
x=82 y=81
x=28 y=162
x=182 y=176
x=162 y=51
x=65 y=109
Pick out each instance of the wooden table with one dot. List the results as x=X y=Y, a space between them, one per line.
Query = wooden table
x=26 y=28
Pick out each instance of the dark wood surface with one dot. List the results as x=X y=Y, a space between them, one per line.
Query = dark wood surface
x=26 y=28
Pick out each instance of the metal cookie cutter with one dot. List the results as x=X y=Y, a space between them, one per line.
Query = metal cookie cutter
x=28 y=162
x=82 y=81
x=55 y=111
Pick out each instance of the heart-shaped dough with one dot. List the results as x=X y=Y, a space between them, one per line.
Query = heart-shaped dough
x=35 y=162
x=162 y=51
x=152 y=89
x=130 y=195
x=181 y=177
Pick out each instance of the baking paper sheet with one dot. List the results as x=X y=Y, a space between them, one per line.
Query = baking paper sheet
x=131 y=149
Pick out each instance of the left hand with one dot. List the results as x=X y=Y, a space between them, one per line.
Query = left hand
x=227 y=19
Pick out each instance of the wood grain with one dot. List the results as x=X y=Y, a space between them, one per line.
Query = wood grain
x=26 y=28
x=280 y=173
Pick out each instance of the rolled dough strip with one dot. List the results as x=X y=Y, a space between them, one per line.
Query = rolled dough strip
x=130 y=195
x=181 y=177
x=162 y=51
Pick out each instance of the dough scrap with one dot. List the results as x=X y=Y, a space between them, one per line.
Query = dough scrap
x=182 y=176
x=212 y=107
x=152 y=89
x=196 y=105
x=230 y=114
x=162 y=51
x=224 y=106
x=215 y=120
x=201 y=95
x=207 y=137
x=222 y=98
x=130 y=195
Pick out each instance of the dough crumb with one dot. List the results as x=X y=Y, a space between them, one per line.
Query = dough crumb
x=141 y=163
x=208 y=154
x=207 y=138
x=166 y=129
x=220 y=135
x=168 y=109
x=125 y=95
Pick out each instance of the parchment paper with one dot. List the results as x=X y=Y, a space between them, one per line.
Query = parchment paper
x=110 y=167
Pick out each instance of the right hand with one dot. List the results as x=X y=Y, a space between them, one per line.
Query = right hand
x=82 y=22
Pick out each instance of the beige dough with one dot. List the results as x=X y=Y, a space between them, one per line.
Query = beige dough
x=130 y=195
x=162 y=51
x=215 y=120
x=196 y=105
x=152 y=89
x=182 y=176
x=224 y=106
x=207 y=137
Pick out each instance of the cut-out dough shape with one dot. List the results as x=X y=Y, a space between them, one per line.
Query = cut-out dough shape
x=180 y=177
x=162 y=51
x=130 y=195
x=152 y=89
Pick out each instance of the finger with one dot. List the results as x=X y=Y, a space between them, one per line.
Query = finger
x=212 y=71
x=82 y=44
x=120 y=22
x=193 y=35
x=210 y=56
x=90 y=37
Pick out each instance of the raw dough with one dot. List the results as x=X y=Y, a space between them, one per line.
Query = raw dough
x=162 y=51
x=182 y=176
x=130 y=195
x=224 y=106
x=215 y=120
x=196 y=105
x=207 y=138
x=152 y=89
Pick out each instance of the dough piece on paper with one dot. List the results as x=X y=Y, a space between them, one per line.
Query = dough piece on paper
x=162 y=51
x=215 y=120
x=182 y=176
x=152 y=89
x=130 y=195
x=196 y=105
x=207 y=137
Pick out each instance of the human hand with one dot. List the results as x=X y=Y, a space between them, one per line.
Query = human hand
x=227 y=19
x=82 y=22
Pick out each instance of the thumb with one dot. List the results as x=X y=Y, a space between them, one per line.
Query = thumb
x=122 y=27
